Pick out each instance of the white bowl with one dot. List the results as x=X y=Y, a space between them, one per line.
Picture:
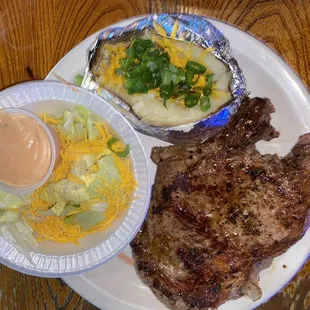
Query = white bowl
x=53 y=259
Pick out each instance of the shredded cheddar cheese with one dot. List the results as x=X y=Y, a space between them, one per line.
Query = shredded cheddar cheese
x=115 y=53
x=174 y=30
x=75 y=179
x=160 y=29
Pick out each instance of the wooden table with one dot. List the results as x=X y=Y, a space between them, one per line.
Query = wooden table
x=35 y=34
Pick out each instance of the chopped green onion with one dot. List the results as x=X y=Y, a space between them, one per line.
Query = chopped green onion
x=192 y=99
x=189 y=78
x=78 y=80
x=129 y=51
x=130 y=83
x=146 y=76
x=111 y=142
x=156 y=81
x=154 y=64
x=141 y=44
x=190 y=102
x=148 y=67
x=122 y=62
x=151 y=53
x=119 y=71
x=181 y=77
x=140 y=87
x=195 y=67
x=125 y=152
x=129 y=61
x=171 y=68
x=119 y=154
x=166 y=77
x=198 y=88
x=141 y=47
x=136 y=71
x=166 y=91
x=207 y=91
x=194 y=94
x=195 y=81
x=166 y=56
x=205 y=103
x=209 y=80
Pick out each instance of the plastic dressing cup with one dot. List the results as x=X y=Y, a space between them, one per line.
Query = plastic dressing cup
x=54 y=148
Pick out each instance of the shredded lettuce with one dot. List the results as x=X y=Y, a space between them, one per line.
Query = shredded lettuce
x=69 y=208
x=68 y=126
x=58 y=207
x=107 y=173
x=79 y=131
x=63 y=191
x=78 y=123
x=66 y=114
x=88 y=179
x=9 y=201
x=9 y=216
x=20 y=235
x=83 y=111
x=107 y=169
x=80 y=166
x=100 y=207
x=91 y=128
x=86 y=219
x=14 y=229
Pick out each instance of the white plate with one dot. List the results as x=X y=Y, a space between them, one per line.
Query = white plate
x=115 y=286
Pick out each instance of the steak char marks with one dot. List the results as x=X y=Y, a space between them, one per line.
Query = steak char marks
x=220 y=209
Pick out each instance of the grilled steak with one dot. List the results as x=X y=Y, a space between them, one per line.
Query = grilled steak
x=219 y=209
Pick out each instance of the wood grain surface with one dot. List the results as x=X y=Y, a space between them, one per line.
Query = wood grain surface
x=36 y=34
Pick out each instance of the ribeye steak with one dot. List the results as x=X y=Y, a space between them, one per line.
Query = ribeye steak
x=219 y=209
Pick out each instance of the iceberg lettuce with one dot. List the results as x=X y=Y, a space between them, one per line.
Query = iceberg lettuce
x=9 y=201
x=86 y=219
x=107 y=173
x=78 y=123
x=65 y=191
x=80 y=166
x=58 y=207
x=20 y=235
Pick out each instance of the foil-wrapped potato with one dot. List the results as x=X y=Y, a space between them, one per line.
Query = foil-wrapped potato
x=171 y=76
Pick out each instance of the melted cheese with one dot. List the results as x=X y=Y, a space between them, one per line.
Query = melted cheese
x=160 y=29
x=115 y=52
x=174 y=30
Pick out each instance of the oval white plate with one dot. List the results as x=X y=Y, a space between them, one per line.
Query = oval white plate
x=115 y=286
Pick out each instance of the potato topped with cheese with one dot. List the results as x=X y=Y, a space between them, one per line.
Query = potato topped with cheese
x=166 y=82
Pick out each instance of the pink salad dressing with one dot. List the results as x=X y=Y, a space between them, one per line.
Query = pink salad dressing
x=25 y=150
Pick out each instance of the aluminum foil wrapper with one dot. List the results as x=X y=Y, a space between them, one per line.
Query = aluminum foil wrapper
x=191 y=28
